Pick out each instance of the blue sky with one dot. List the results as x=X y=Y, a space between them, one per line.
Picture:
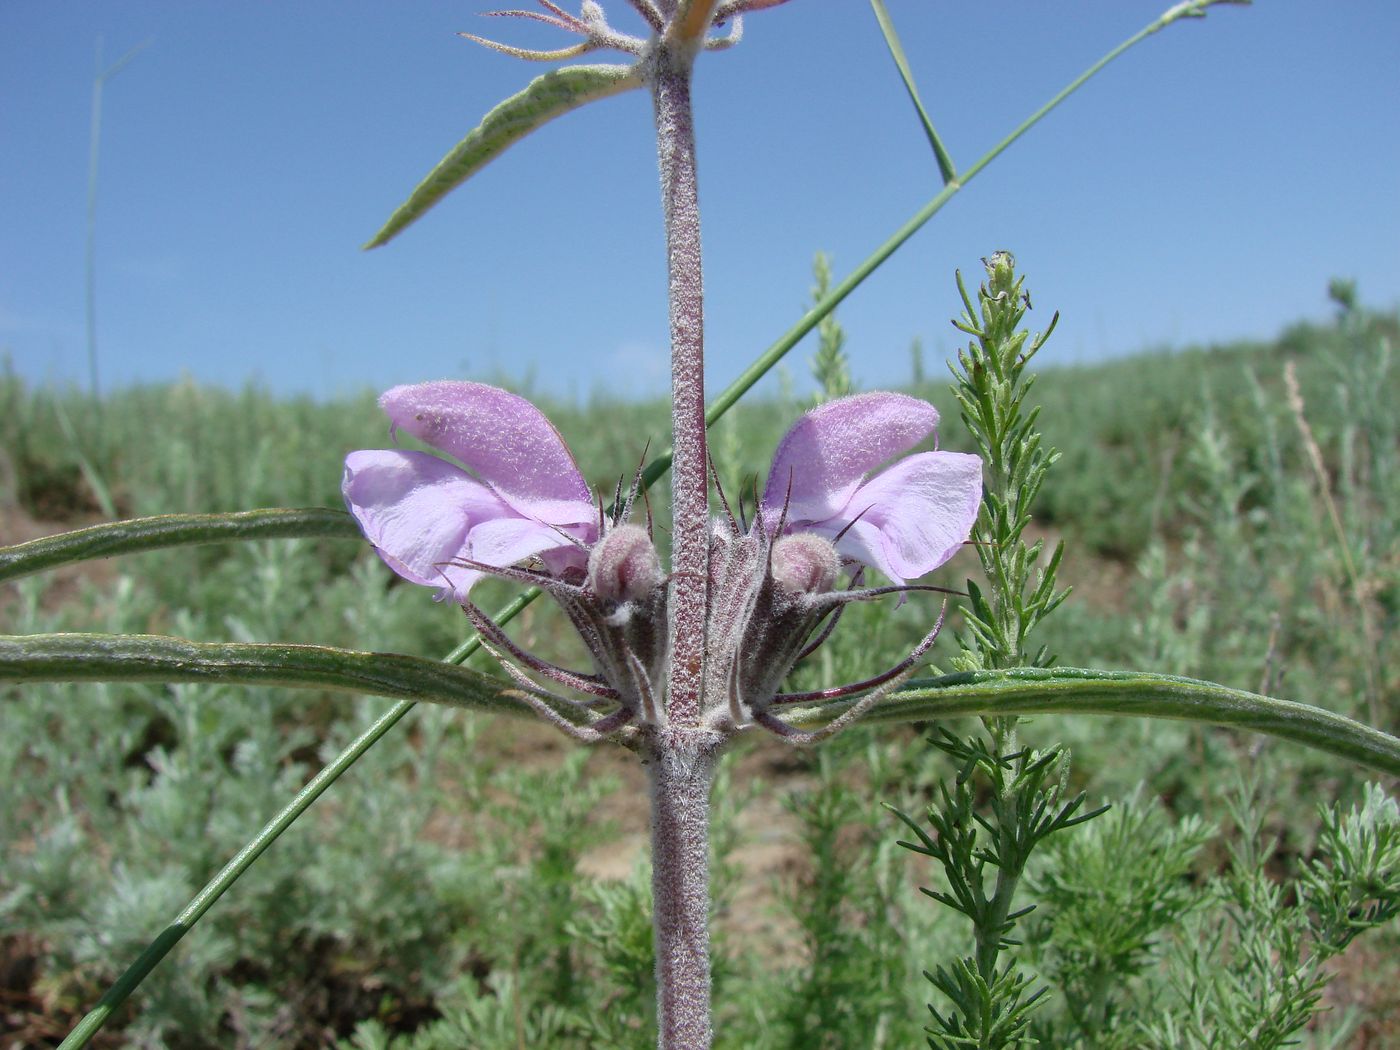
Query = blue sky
x=1203 y=188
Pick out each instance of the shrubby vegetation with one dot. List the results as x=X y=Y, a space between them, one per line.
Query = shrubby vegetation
x=468 y=885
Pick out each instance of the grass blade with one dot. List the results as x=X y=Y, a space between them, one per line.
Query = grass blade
x=945 y=162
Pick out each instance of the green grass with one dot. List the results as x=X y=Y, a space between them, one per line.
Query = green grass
x=444 y=894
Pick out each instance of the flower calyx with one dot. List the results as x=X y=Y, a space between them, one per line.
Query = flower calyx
x=828 y=505
x=620 y=613
x=770 y=592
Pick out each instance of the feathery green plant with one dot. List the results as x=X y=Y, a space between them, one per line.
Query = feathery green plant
x=984 y=851
x=992 y=384
x=830 y=366
x=1251 y=971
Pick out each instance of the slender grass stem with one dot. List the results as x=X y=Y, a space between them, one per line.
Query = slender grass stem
x=99 y=85
x=241 y=861
x=946 y=168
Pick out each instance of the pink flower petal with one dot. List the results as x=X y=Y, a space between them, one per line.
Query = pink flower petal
x=830 y=449
x=914 y=516
x=861 y=543
x=506 y=541
x=417 y=511
x=561 y=560
x=503 y=439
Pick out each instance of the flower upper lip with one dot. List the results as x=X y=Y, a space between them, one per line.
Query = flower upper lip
x=522 y=494
x=905 y=520
x=500 y=437
x=422 y=512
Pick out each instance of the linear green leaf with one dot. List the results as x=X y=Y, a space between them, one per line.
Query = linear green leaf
x=171 y=530
x=1029 y=691
x=153 y=658
x=945 y=162
x=1067 y=690
x=546 y=97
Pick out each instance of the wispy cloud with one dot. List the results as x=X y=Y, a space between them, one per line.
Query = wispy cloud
x=156 y=271
x=17 y=322
x=637 y=367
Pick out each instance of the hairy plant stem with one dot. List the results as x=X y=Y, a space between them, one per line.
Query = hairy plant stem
x=680 y=768
x=690 y=544
x=680 y=756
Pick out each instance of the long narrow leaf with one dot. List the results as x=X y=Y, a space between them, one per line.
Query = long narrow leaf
x=945 y=162
x=152 y=658
x=546 y=97
x=170 y=530
x=90 y=657
x=1065 y=690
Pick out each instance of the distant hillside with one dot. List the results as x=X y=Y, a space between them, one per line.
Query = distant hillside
x=1130 y=431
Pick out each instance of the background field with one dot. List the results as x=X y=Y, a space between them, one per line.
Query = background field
x=476 y=880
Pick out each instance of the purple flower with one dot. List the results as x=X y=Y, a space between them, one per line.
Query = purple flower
x=426 y=516
x=906 y=520
x=771 y=599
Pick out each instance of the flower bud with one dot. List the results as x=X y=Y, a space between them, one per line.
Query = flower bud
x=623 y=566
x=1000 y=265
x=805 y=563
